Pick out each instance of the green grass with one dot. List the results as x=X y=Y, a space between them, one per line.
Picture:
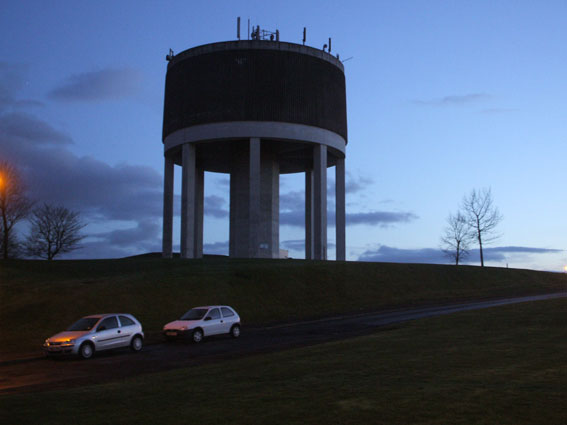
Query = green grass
x=504 y=365
x=39 y=298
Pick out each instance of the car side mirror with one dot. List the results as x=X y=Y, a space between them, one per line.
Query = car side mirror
x=101 y=328
x=208 y=318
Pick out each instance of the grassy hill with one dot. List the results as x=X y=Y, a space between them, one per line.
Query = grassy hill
x=39 y=298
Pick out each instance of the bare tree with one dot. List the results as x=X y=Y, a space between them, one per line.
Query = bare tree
x=455 y=240
x=53 y=231
x=482 y=217
x=14 y=206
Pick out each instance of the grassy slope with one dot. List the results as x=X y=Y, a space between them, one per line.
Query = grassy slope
x=39 y=298
x=504 y=365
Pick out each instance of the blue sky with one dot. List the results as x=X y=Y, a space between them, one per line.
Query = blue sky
x=443 y=97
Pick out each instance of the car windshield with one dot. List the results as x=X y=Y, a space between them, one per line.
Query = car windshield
x=194 y=314
x=84 y=324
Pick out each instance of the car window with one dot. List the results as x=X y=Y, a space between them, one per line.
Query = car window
x=194 y=314
x=227 y=312
x=126 y=321
x=108 y=323
x=85 y=324
x=214 y=313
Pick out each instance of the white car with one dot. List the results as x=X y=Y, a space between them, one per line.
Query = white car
x=200 y=322
x=97 y=333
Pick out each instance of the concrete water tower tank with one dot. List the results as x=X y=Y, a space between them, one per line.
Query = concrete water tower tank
x=254 y=109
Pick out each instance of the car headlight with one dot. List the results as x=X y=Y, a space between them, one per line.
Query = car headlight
x=71 y=341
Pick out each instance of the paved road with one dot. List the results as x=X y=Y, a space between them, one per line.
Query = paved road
x=42 y=374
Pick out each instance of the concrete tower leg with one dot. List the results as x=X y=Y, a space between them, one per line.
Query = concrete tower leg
x=254 y=183
x=340 y=209
x=254 y=201
x=269 y=226
x=167 y=236
x=320 y=202
x=199 y=211
x=309 y=215
x=239 y=194
x=188 y=185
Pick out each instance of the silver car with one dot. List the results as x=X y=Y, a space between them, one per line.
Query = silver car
x=97 y=333
x=200 y=322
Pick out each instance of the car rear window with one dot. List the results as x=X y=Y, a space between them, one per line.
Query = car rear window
x=126 y=321
x=227 y=312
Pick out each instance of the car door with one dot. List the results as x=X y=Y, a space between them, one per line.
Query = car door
x=212 y=323
x=228 y=319
x=108 y=334
x=127 y=328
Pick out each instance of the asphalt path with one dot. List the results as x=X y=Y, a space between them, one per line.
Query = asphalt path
x=40 y=374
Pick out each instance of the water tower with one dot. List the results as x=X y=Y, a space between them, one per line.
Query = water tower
x=254 y=109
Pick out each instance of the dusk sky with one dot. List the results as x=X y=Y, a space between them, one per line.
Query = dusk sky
x=443 y=97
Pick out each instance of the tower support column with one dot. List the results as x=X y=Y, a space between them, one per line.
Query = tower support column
x=167 y=235
x=254 y=201
x=199 y=211
x=340 y=212
x=254 y=184
x=320 y=202
x=188 y=185
x=309 y=215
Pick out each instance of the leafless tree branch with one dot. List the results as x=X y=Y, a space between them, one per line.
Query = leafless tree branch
x=14 y=206
x=455 y=240
x=53 y=231
x=482 y=217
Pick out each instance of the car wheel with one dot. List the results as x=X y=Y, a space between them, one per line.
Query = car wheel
x=86 y=350
x=197 y=335
x=235 y=331
x=137 y=343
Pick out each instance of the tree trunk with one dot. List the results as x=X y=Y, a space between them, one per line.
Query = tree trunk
x=480 y=246
x=5 y=235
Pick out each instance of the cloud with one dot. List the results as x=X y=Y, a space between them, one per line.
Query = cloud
x=355 y=184
x=454 y=100
x=99 y=191
x=372 y=218
x=379 y=218
x=216 y=248
x=390 y=254
x=126 y=193
x=292 y=201
x=214 y=206
x=435 y=256
x=294 y=245
x=298 y=245
x=25 y=128
x=505 y=253
x=292 y=207
x=106 y=84
x=140 y=234
x=12 y=80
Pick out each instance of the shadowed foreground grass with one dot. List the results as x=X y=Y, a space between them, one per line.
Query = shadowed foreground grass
x=504 y=365
x=40 y=298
